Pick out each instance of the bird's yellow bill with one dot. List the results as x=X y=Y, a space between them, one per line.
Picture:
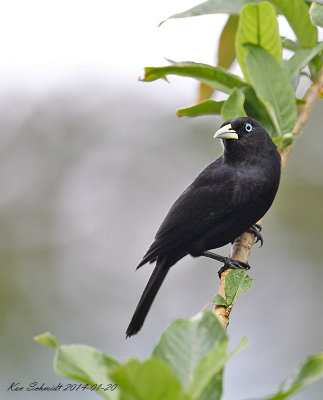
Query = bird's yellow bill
x=226 y=132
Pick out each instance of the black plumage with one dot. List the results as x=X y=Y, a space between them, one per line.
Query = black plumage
x=225 y=200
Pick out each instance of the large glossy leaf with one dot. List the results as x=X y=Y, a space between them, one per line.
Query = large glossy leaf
x=213 y=7
x=258 y=25
x=308 y=373
x=301 y=59
x=208 y=107
x=147 y=380
x=205 y=376
x=297 y=15
x=233 y=107
x=205 y=385
x=316 y=14
x=214 y=389
x=216 y=77
x=273 y=87
x=87 y=365
x=82 y=363
x=185 y=342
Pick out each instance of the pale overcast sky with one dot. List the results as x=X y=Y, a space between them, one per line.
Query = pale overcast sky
x=45 y=42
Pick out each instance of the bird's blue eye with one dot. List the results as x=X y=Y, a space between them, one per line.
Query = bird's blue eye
x=248 y=127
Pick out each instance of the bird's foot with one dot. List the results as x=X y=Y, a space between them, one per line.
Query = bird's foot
x=233 y=264
x=227 y=261
x=255 y=230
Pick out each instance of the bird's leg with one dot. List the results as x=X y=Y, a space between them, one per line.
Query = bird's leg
x=227 y=261
x=255 y=230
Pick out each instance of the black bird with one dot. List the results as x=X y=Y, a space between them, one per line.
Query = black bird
x=225 y=200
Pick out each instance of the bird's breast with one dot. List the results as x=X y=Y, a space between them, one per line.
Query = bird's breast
x=254 y=188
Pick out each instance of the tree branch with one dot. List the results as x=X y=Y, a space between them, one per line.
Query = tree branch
x=242 y=245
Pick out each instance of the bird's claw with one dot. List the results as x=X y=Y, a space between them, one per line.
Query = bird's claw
x=255 y=230
x=233 y=264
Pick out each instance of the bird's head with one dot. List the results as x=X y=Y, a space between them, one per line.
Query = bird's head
x=243 y=135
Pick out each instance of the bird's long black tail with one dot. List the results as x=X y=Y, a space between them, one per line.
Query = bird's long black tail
x=147 y=298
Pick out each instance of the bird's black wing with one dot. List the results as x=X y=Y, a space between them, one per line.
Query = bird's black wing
x=199 y=207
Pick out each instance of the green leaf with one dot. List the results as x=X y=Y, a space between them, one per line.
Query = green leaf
x=226 y=50
x=213 y=7
x=233 y=107
x=207 y=369
x=205 y=383
x=236 y=282
x=316 y=14
x=273 y=87
x=86 y=364
x=315 y=66
x=208 y=107
x=289 y=44
x=272 y=113
x=297 y=15
x=258 y=25
x=256 y=109
x=47 y=339
x=214 y=389
x=284 y=141
x=219 y=300
x=300 y=59
x=82 y=363
x=216 y=77
x=185 y=342
x=309 y=372
x=147 y=380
